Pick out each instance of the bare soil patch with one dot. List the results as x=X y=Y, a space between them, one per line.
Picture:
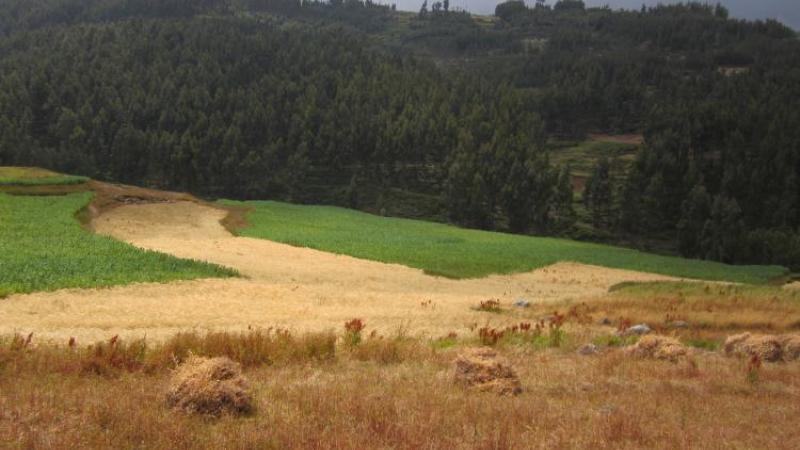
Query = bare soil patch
x=632 y=139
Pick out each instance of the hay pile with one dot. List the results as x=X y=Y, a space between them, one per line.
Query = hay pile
x=484 y=370
x=790 y=343
x=658 y=347
x=768 y=348
x=209 y=386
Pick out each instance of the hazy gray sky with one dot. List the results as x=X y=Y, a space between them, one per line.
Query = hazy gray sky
x=787 y=11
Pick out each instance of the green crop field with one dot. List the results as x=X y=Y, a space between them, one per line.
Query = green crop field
x=32 y=176
x=460 y=253
x=43 y=247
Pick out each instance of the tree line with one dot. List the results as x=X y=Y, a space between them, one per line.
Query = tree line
x=241 y=108
x=437 y=115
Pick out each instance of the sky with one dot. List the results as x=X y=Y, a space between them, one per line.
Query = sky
x=787 y=11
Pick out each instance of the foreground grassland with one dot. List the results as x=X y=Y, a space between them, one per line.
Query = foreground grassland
x=709 y=312
x=349 y=389
x=318 y=391
x=32 y=176
x=460 y=253
x=43 y=247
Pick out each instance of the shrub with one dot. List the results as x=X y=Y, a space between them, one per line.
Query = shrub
x=352 y=332
x=492 y=306
x=113 y=357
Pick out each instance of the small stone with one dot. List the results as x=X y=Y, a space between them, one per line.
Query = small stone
x=678 y=324
x=607 y=409
x=638 y=330
x=522 y=303
x=605 y=321
x=588 y=349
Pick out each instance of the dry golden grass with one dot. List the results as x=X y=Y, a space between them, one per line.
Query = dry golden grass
x=606 y=401
x=693 y=310
x=289 y=287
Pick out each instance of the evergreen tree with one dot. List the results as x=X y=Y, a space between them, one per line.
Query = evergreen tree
x=723 y=232
x=696 y=211
x=563 y=200
x=598 y=194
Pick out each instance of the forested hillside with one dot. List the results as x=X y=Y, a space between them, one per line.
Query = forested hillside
x=437 y=115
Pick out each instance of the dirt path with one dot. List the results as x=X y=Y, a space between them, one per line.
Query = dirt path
x=286 y=286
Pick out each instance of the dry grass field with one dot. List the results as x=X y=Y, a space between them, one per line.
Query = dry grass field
x=317 y=391
x=93 y=368
x=285 y=286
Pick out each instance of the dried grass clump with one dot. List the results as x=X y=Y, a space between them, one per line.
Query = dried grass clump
x=209 y=386
x=658 y=347
x=790 y=343
x=484 y=370
x=767 y=348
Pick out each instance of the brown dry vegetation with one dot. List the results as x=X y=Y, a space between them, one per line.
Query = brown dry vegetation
x=357 y=389
x=309 y=392
x=312 y=388
x=696 y=311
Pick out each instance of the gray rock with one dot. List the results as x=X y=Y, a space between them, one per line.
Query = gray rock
x=607 y=409
x=637 y=330
x=522 y=303
x=588 y=349
x=678 y=324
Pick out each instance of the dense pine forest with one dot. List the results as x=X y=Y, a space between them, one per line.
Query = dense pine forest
x=435 y=114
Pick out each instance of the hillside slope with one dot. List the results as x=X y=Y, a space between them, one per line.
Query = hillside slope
x=461 y=253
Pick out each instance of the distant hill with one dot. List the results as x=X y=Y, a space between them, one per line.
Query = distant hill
x=786 y=11
x=479 y=121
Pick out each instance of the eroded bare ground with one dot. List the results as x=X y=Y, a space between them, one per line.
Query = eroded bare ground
x=285 y=286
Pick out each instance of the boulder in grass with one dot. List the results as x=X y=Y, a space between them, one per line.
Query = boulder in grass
x=658 y=347
x=767 y=348
x=588 y=349
x=636 y=330
x=209 y=386
x=482 y=369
